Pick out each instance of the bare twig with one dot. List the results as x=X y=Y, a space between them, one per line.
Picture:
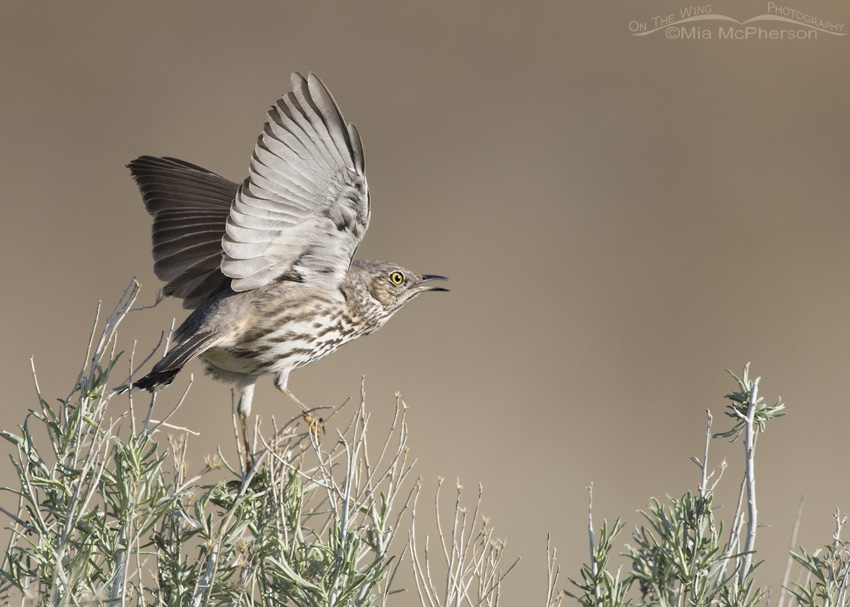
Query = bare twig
x=553 y=596
x=783 y=591
x=750 y=477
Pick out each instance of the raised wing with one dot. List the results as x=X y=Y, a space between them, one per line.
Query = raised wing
x=190 y=206
x=305 y=206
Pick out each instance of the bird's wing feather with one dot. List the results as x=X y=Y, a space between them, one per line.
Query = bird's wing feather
x=190 y=206
x=305 y=206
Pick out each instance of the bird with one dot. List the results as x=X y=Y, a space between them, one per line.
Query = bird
x=266 y=266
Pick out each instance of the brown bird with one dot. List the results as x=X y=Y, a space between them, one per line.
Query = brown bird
x=267 y=265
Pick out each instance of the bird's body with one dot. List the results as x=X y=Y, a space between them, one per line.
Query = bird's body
x=267 y=265
x=279 y=327
x=286 y=326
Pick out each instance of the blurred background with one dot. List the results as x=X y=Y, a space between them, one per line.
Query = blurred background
x=622 y=218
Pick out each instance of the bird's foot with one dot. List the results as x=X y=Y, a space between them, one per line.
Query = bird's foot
x=315 y=424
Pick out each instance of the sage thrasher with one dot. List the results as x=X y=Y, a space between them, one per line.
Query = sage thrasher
x=267 y=264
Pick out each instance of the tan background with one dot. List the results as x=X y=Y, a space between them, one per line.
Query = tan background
x=622 y=218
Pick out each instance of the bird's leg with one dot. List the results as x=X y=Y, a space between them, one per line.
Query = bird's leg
x=243 y=410
x=294 y=398
x=280 y=381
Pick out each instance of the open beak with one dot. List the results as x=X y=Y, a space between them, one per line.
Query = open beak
x=422 y=287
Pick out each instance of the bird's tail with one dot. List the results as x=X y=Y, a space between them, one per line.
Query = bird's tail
x=164 y=372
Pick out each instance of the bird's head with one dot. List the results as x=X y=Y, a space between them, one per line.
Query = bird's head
x=385 y=287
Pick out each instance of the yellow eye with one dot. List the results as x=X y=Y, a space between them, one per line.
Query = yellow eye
x=397 y=278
